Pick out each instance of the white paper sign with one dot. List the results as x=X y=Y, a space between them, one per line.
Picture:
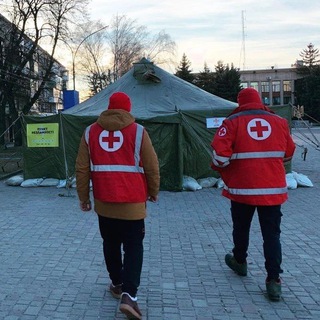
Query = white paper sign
x=214 y=122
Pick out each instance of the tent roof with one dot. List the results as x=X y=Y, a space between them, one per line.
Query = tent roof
x=153 y=92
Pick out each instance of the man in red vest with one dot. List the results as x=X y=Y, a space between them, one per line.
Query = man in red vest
x=249 y=151
x=117 y=155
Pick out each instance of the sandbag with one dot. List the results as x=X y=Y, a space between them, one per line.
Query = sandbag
x=207 y=182
x=190 y=184
x=291 y=181
x=14 y=181
x=49 y=182
x=302 y=180
x=31 y=183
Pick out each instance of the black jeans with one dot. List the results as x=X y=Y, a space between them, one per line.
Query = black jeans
x=129 y=235
x=270 y=220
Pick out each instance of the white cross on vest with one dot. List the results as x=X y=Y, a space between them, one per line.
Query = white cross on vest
x=111 y=141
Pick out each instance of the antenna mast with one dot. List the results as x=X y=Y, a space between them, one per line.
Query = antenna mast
x=243 y=47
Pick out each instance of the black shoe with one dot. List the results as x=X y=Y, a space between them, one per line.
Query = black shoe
x=129 y=307
x=239 y=268
x=273 y=289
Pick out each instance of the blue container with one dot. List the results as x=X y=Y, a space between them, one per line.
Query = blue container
x=70 y=98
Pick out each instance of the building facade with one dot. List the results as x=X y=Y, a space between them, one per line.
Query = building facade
x=31 y=77
x=27 y=71
x=276 y=86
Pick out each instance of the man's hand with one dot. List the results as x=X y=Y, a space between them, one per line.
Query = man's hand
x=85 y=205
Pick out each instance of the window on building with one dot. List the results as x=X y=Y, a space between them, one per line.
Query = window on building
x=275 y=101
x=265 y=89
x=275 y=86
x=254 y=85
x=244 y=85
x=287 y=92
x=287 y=86
x=266 y=101
x=265 y=86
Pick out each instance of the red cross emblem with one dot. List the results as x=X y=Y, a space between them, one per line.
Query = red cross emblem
x=110 y=141
x=259 y=129
x=222 y=132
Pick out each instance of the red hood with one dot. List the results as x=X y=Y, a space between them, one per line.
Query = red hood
x=251 y=106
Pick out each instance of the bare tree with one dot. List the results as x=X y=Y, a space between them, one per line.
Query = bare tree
x=92 y=62
x=130 y=42
x=124 y=42
x=161 y=48
x=32 y=23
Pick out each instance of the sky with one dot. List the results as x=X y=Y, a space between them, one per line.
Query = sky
x=250 y=34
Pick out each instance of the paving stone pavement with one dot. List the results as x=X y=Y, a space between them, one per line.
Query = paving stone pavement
x=52 y=264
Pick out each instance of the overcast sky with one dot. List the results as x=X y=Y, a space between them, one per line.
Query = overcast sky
x=274 y=31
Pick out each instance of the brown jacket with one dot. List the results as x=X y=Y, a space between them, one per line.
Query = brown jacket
x=113 y=120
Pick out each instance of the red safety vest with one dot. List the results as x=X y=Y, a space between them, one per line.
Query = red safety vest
x=249 y=150
x=116 y=169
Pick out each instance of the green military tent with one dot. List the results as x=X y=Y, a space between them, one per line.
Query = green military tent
x=178 y=116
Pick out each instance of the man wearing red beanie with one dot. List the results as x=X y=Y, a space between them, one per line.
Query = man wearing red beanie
x=249 y=151
x=117 y=155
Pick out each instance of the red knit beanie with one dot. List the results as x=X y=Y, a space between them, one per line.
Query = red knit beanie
x=248 y=95
x=119 y=100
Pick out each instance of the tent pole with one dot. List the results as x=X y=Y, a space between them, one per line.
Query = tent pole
x=180 y=153
x=68 y=183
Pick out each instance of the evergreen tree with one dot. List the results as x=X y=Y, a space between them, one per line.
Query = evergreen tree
x=226 y=82
x=205 y=79
x=310 y=56
x=184 y=71
x=307 y=89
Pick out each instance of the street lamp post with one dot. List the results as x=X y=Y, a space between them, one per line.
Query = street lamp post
x=75 y=53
